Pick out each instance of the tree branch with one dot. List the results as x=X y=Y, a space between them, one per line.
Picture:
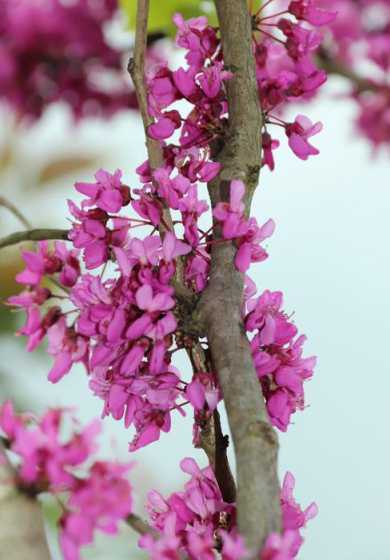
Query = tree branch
x=22 y=532
x=141 y=526
x=223 y=474
x=212 y=440
x=136 y=69
x=33 y=235
x=255 y=441
x=15 y=211
x=334 y=66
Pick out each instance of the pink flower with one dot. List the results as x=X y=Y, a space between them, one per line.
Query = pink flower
x=300 y=40
x=146 y=301
x=173 y=247
x=231 y=214
x=308 y=11
x=99 y=502
x=266 y=315
x=203 y=390
x=279 y=410
x=192 y=516
x=210 y=80
x=165 y=125
x=107 y=193
x=38 y=264
x=233 y=547
x=162 y=91
x=184 y=81
x=277 y=356
x=268 y=145
x=298 y=133
x=293 y=517
x=279 y=547
x=250 y=249
x=67 y=347
x=36 y=326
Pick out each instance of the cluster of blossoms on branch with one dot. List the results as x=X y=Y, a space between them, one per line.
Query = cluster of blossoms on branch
x=198 y=521
x=285 y=72
x=122 y=303
x=58 y=51
x=126 y=329
x=49 y=459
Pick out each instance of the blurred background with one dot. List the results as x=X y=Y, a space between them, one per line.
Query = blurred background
x=330 y=255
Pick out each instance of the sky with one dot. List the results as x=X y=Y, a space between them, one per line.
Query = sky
x=330 y=256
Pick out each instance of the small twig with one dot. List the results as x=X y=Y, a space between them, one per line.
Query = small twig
x=15 y=211
x=197 y=357
x=335 y=67
x=141 y=526
x=33 y=235
x=222 y=470
x=136 y=69
x=212 y=440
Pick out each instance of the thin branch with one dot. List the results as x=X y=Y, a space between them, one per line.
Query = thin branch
x=33 y=235
x=255 y=441
x=141 y=526
x=336 y=67
x=197 y=357
x=136 y=69
x=15 y=211
x=222 y=470
x=212 y=440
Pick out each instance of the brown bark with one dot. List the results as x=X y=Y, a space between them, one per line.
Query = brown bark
x=255 y=441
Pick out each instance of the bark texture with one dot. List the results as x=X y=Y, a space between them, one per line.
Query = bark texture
x=255 y=440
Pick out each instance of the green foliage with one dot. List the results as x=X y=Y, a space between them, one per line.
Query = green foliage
x=161 y=12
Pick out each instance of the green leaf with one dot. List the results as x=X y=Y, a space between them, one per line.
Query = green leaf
x=162 y=11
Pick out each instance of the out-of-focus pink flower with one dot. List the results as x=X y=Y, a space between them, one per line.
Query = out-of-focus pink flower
x=298 y=134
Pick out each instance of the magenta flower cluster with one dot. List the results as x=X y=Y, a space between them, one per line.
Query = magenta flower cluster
x=285 y=71
x=49 y=460
x=115 y=308
x=197 y=521
x=277 y=355
x=124 y=328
